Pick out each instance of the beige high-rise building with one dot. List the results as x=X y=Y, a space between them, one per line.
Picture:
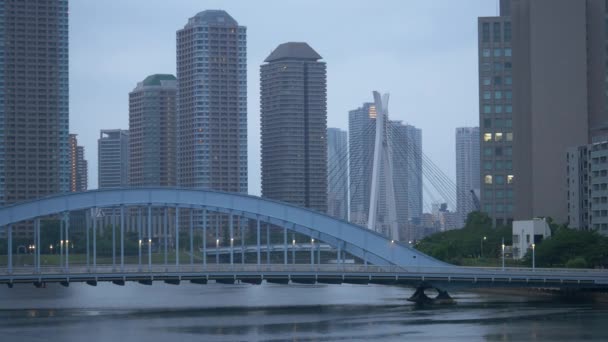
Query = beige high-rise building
x=78 y=166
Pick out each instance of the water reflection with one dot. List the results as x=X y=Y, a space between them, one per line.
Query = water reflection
x=278 y=313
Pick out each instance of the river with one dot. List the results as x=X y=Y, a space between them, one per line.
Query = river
x=215 y=312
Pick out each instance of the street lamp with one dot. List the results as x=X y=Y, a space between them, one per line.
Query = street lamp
x=533 y=256
x=482 y=240
x=503 y=253
x=217 y=251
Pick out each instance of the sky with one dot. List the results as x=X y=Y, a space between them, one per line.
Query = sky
x=422 y=52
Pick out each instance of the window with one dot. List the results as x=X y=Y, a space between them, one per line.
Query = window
x=507 y=32
x=508 y=80
x=498 y=95
x=515 y=239
x=498 y=109
x=499 y=180
x=498 y=137
x=487 y=95
x=499 y=123
x=486 y=81
x=496 y=32
x=509 y=136
x=510 y=179
x=500 y=194
x=487 y=109
x=488 y=179
x=487 y=165
x=509 y=150
x=500 y=208
x=487 y=208
x=498 y=67
x=509 y=193
x=486 y=67
x=497 y=80
x=487 y=123
x=499 y=165
x=487 y=137
x=498 y=151
x=508 y=123
x=486 y=53
x=508 y=95
x=487 y=151
x=487 y=194
x=509 y=208
x=508 y=52
x=509 y=109
x=497 y=52
x=508 y=66
x=485 y=32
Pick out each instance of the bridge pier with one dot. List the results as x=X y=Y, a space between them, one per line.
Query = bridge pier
x=419 y=297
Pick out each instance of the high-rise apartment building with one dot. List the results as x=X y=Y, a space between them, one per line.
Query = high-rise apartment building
x=293 y=91
x=560 y=94
x=337 y=173
x=113 y=158
x=467 y=171
x=406 y=151
x=495 y=38
x=78 y=166
x=212 y=103
x=34 y=118
x=152 y=133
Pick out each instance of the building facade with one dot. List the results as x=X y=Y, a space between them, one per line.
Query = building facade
x=152 y=133
x=337 y=173
x=113 y=158
x=212 y=103
x=467 y=171
x=495 y=56
x=34 y=117
x=293 y=92
x=587 y=185
x=406 y=152
x=555 y=107
x=78 y=166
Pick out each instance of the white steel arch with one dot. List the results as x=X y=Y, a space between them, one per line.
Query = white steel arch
x=356 y=240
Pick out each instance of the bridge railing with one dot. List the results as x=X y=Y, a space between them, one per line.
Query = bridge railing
x=307 y=268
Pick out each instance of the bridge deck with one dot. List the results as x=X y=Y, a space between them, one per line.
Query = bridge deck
x=335 y=274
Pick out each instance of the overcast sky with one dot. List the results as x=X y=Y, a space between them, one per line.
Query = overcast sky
x=423 y=52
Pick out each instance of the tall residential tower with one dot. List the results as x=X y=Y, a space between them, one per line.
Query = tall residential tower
x=34 y=118
x=212 y=103
x=337 y=173
x=293 y=90
x=113 y=158
x=467 y=171
x=152 y=134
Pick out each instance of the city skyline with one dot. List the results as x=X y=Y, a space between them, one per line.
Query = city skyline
x=461 y=49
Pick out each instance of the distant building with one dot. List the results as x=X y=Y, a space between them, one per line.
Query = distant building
x=113 y=158
x=78 y=166
x=212 y=103
x=587 y=171
x=527 y=235
x=337 y=173
x=406 y=152
x=467 y=171
x=294 y=126
x=152 y=133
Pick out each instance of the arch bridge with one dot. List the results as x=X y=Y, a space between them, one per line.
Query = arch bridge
x=201 y=214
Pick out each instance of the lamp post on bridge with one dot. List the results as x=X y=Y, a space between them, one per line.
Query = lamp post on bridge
x=533 y=256
x=482 y=240
x=503 y=253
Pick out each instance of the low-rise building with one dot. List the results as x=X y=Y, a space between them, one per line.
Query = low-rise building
x=527 y=234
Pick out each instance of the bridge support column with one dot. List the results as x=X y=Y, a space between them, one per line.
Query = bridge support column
x=205 y=237
x=149 y=237
x=67 y=241
x=176 y=235
x=191 y=237
x=257 y=227
x=231 y=239
x=139 y=238
x=285 y=244
x=113 y=239
x=166 y=233
x=9 y=237
x=122 y=238
x=268 y=243
x=419 y=297
x=95 y=240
